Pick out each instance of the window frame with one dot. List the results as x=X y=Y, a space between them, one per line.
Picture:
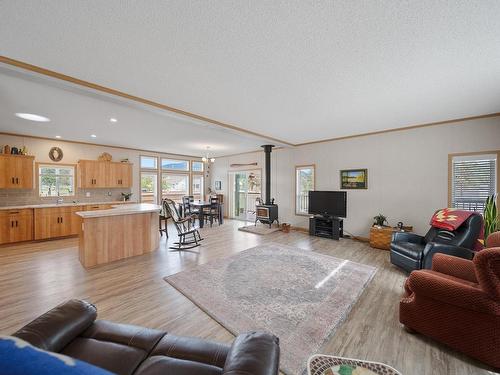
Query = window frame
x=475 y=153
x=202 y=166
x=297 y=168
x=175 y=173
x=55 y=165
x=148 y=156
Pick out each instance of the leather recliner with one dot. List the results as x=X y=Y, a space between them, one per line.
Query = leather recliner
x=410 y=251
x=72 y=329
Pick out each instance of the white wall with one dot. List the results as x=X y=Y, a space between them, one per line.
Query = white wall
x=76 y=151
x=407 y=171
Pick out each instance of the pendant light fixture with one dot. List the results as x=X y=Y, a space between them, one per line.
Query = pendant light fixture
x=206 y=158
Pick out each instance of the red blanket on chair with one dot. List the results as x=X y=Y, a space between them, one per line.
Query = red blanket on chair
x=451 y=218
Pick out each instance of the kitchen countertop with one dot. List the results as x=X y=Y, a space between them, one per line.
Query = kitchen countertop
x=124 y=209
x=64 y=204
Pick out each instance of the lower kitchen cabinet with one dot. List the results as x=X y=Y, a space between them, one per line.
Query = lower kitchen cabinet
x=16 y=225
x=56 y=222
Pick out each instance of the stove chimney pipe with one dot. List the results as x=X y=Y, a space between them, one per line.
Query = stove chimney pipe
x=267 y=150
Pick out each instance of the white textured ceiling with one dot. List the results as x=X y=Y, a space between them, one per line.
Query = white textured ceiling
x=294 y=70
x=76 y=113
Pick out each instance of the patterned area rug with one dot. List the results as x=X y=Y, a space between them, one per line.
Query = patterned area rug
x=298 y=295
x=260 y=229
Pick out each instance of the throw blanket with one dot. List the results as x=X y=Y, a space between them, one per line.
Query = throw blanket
x=450 y=219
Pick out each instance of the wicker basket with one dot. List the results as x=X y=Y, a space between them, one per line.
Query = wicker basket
x=381 y=237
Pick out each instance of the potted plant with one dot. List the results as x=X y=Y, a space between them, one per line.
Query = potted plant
x=380 y=220
x=126 y=196
x=491 y=222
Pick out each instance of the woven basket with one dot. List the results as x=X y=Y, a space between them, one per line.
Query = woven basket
x=380 y=238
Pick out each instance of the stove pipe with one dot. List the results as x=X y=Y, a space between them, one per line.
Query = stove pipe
x=267 y=150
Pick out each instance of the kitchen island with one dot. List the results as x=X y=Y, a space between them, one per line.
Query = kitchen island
x=120 y=232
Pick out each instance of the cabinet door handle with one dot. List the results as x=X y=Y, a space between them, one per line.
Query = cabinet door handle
x=12 y=224
x=17 y=223
x=58 y=220
x=61 y=220
x=13 y=181
x=17 y=180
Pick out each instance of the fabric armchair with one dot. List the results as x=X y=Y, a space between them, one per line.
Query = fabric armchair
x=457 y=303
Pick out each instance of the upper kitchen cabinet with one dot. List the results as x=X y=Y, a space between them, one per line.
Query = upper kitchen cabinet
x=16 y=171
x=104 y=174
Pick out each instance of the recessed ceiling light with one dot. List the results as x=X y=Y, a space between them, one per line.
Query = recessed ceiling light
x=112 y=119
x=58 y=136
x=32 y=117
x=93 y=136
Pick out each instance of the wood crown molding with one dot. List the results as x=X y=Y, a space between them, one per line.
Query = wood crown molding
x=121 y=94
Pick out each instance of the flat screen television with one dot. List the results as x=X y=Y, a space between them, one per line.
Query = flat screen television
x=331 y=203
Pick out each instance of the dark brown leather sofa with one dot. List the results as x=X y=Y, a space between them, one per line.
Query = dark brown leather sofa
x=72 y=329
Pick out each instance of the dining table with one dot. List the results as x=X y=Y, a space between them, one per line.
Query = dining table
x=200 y=206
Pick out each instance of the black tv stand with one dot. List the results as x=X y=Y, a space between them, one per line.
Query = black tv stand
x=326 y=226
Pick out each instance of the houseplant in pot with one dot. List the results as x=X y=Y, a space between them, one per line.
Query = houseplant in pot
x=380 y=220
x=491 y=222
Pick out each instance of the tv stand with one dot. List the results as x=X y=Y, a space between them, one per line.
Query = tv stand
x=326 y=226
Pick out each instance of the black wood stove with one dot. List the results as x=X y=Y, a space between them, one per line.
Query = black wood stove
x=267 y=213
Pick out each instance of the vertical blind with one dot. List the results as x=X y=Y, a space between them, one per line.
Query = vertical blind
x=473 y=180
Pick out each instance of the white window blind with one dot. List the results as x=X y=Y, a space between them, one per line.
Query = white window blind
x=473 y=180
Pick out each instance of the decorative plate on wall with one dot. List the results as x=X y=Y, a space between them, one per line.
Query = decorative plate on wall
x=55 y=154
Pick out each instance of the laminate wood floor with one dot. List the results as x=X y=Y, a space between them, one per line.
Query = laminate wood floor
x=35 y=277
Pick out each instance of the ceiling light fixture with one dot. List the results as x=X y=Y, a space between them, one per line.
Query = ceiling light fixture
x=206 y=159
x=112 y=119
x=32 y=117
x=93 y=136
x=58 y=136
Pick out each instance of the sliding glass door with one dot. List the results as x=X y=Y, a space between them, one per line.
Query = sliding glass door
x=244 y=190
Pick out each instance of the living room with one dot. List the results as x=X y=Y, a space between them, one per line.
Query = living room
x=258 y=188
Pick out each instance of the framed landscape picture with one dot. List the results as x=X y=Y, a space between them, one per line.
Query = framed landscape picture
x=354 y=179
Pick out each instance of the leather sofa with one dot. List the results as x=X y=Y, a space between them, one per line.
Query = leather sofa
x=458 y=303
x=410 y=251
x=72 y=329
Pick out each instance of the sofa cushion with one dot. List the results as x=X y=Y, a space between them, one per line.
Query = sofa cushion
x=162 y=365
x=18 y=357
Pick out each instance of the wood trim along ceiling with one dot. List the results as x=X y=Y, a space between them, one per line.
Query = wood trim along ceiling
x=99 y=145
x=110 y=91
x=121 y=94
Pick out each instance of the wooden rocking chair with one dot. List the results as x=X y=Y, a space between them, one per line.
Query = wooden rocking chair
x=189 y=236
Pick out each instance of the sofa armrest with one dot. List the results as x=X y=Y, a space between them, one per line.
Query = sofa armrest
x=454 y=266
x=56 y=328
x=255 y=353
x=433 y=286
x=407 y=237
x=433 y=248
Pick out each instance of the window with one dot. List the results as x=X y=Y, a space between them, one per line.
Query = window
x=149 y=187
x=304 y=182
x=473 y=179
x=149 y=162
x=175 y=165
x=197 y=166
x=174 y=186
x=56 y=180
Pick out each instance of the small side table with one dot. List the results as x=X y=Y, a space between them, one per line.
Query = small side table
x=320 y=364
x=381 y=237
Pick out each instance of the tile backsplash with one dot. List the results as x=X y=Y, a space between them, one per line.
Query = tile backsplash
x=11 y=197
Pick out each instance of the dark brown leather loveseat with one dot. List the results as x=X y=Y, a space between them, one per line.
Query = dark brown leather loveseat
x=72 y=329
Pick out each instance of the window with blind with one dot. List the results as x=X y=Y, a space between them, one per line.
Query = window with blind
x=473 y=180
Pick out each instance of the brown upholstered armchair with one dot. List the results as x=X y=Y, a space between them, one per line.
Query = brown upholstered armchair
x=458 y=302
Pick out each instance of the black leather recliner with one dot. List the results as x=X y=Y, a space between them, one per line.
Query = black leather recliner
x=413 y=252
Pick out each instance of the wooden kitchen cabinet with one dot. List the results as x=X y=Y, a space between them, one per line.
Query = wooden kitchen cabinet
x=16 y=225
x=104 y=174
x=56 y=222
x=16 y=171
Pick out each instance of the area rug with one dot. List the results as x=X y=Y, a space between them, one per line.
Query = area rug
x=260 y=229
x=298 y=295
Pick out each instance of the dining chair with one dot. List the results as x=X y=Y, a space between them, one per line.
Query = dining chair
x=212 y=213
x=164 y=216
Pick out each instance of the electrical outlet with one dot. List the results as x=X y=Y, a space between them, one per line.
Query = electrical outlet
x=87 y=194
x=109 y=194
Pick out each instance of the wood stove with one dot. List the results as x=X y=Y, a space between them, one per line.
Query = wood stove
x=267 y=213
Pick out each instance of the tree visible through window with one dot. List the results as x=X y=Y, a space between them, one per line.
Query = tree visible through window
x=304 y=182
x=56 y=181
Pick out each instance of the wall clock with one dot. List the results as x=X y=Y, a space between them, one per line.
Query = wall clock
x=55 y=154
